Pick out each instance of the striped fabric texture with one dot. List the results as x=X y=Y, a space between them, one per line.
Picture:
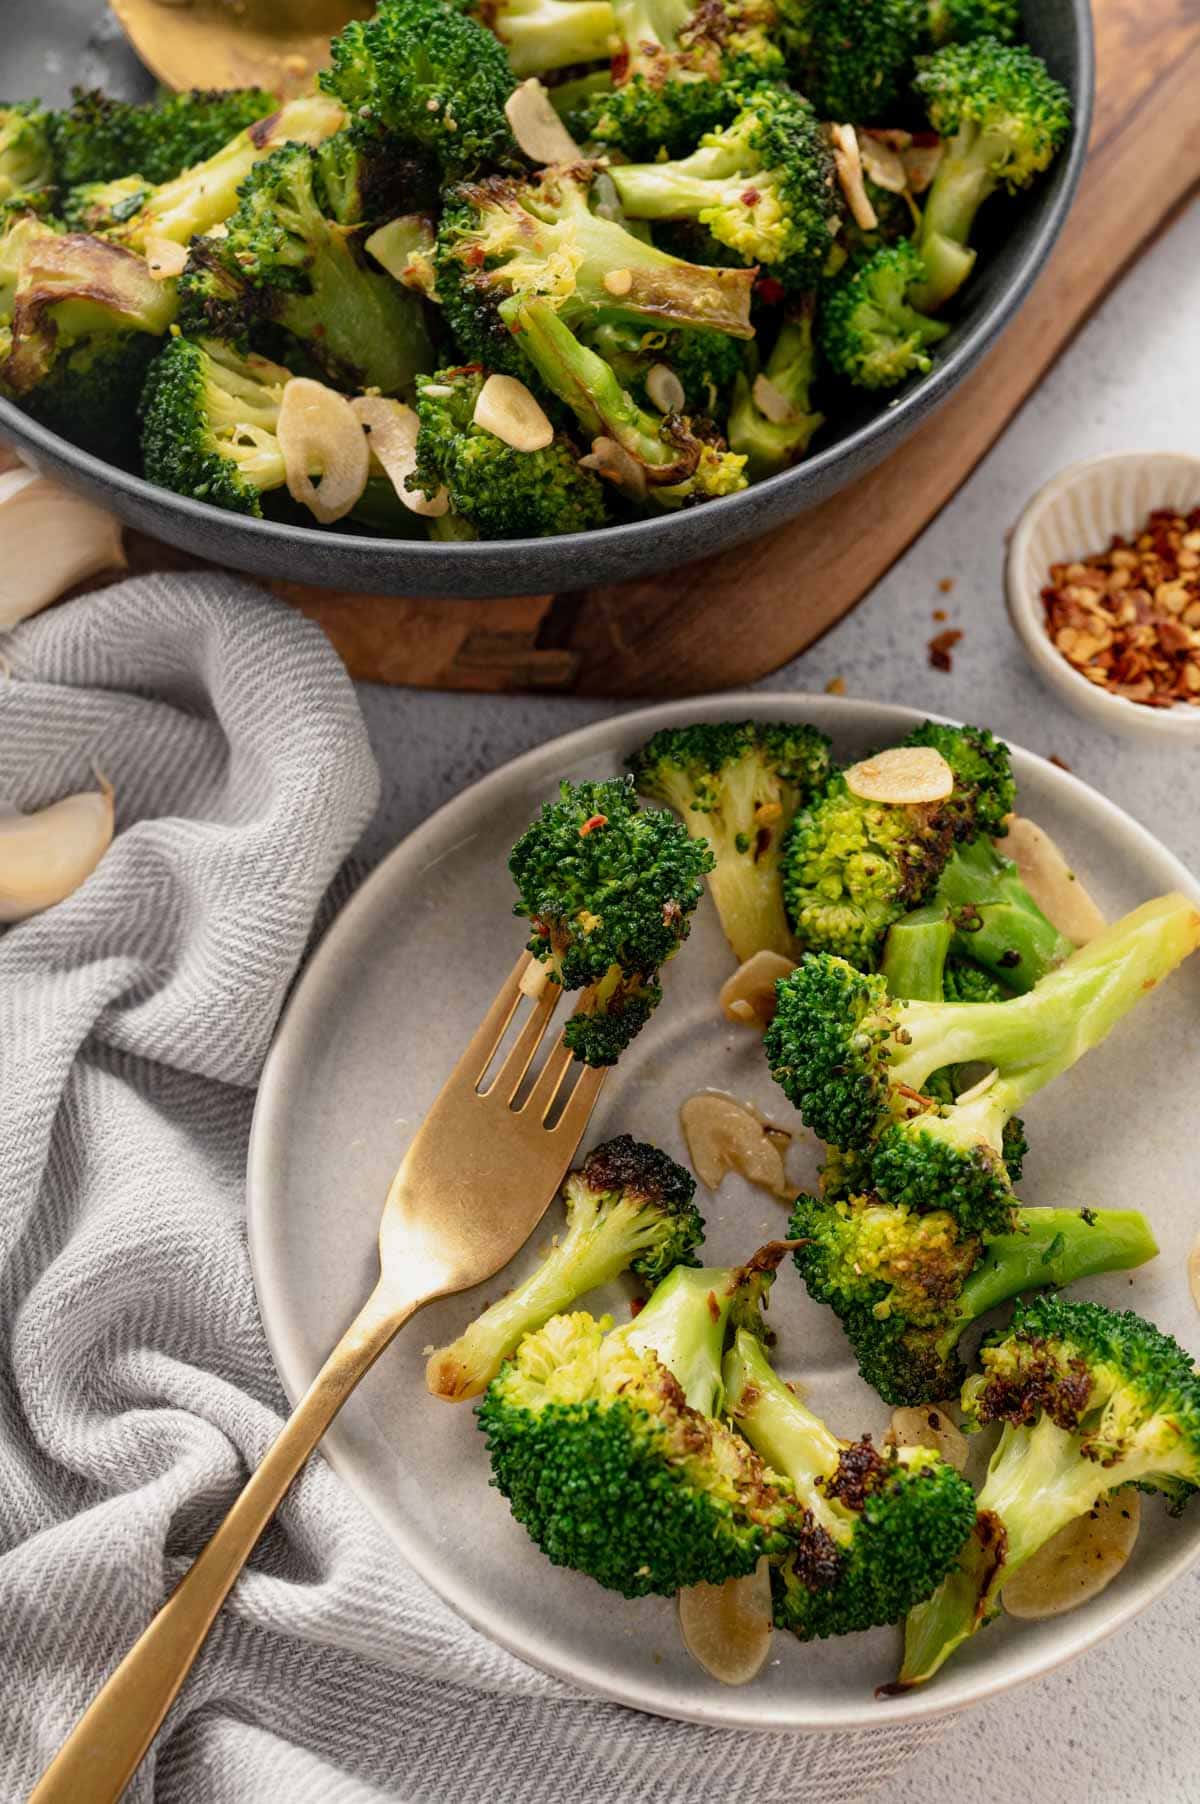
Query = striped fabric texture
x=136 y=1390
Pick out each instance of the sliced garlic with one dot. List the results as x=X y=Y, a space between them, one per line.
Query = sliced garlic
x=1077 y=1563
x=725 y=1135
x=903 y=776
x=536 y=126
x=318 y=430
x=882 y=164
x=771 y=402
x=397 y=244
x=45 y=856
x=727 y=1628
x=665 y=389
x=921 y=164
x=1050 y=880
x=506 y=407
x=616 y=465
x=848 y=163
x=164 y=258
x=52 y=540
x=1193 y=1272
x=748 y=997
x=392 y=440
x=931 y=1426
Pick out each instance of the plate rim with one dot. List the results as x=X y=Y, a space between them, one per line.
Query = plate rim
x=920 y=1705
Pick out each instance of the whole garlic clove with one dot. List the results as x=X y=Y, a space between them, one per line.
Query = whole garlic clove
x=44 y=857
x=52 y=540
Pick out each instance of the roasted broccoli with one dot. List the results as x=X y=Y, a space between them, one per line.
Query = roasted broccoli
x=884 y=1527
x=432 y=77
x=99 y=139
x=851 y=60
x=851 y=867
x=629 y=1208
x=26 y=150
x=609 y=890
x=906 y=1286
x=285 y=259
x=1091 y=1399
x=959 y=21
x=706 y=364
x=501 y=493
x=1005 y=118
x=668 y=460
x=856 y=1063
x=870 y=335
x=996 y=922
x=540 y=35
x=763 y=186
x=608 y=1448
x=771 y=420
x=210 y=416
x=738 y=785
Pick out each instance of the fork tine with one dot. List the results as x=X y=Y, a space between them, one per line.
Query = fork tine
x=540 y=1100
x=579 y=1105
x=481 y=1047
x=511 y=1073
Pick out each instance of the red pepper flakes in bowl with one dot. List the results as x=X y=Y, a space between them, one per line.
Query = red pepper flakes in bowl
x=1128 y=619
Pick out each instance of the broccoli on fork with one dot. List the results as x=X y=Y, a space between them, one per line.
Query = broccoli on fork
x=1091 y=1399
x=609 y=890
x=629 y=1208
x=738 y=784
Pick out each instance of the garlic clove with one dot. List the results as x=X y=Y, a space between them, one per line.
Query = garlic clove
x=932 y=1426
x=45 y=856
x=904 y=776
x=665 y=389
x=748 y=997
x=1077 y=1563
x=1050 y=880
x=506 y=408
x=536 y=126
x=52 y=540
x=392 y=428
x=727 y=1628
x=318 y=430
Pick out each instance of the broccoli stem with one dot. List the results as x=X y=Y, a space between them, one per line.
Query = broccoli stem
x=935 y=1628
x=998 y=923
x=779 y=1427
x=555 y=34
x=1053 y=1247
x=963 y=182
x=914 y=955
x=683 y=189
x=684 y=1325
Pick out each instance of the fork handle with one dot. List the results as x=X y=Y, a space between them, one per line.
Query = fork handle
x=102 y=1752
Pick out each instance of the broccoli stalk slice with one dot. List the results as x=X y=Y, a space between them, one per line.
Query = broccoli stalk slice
x=1051 y=1248
x=540 y=35
x=998 y=925
x=790 y=1437
x=914 y=955
x=773 y=444
x=684 y=1325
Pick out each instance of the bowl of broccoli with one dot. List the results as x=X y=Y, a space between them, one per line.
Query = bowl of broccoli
x=774 y=237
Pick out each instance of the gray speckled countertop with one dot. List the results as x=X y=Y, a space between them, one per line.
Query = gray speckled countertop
x=1119 y=1726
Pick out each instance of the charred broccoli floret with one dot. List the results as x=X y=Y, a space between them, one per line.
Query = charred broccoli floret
x=738 y=785
x=100 y=139
x=500 y=492
x=26 y=150
x=856 y=1063
x=772 y=441
x=884 y=1526
x=1091 y=1399
x=629 y=1208
x=609 y=1451
x=609 y=890
x=906 y=1286
x=764 y=186
x=1005 y=118
x=870 y=334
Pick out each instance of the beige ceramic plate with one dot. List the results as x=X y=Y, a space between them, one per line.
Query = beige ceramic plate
x=373 y=1028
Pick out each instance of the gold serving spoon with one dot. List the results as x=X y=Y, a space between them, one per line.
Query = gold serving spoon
x=274 y=44
x=484 y=1166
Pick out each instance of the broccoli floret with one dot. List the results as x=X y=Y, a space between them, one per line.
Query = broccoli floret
x=537 y=238
x=1092 y=1399
x=774 y=441
x=26 y=150
x=629 y=1208
x=502 y=493
x=885 y=1527
x=675 y=462
x=1005 y=118
x=609 y=890
x=851 y=60
x=906 y=1286
x=764 y=186
x=870 y=335
x=705 y=363
x=135 y=211
x=99 y=139
x=284 y=259
x=430 y=76
x=737 y=785
x=540 y=35
x=960 y=21
x=963 y=981
x=210 y=416
x=997 y=924
x=856 y=1062
x=609 y=1452
x=90 y=395
x=678 y=74
x=852 y=867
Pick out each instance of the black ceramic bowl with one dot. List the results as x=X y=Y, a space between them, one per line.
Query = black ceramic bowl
x=51 y=43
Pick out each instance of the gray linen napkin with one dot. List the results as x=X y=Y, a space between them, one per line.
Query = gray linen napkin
x=136 y=1389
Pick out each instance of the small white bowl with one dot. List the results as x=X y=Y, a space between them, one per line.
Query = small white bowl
x=1077 y=514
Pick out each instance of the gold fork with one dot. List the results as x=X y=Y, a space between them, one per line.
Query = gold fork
x=473 y=1185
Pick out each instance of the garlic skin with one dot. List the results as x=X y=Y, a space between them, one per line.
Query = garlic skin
x=52 y=540
x=44 y=857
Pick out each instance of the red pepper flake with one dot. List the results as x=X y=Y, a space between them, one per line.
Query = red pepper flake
x=940 y=647
x=636 y=1305
x=769 y=290
x=751 y=197
x=1060 y=762
x=836 y=686
x=592 y=823
x=939 y=613
x=946 y=584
